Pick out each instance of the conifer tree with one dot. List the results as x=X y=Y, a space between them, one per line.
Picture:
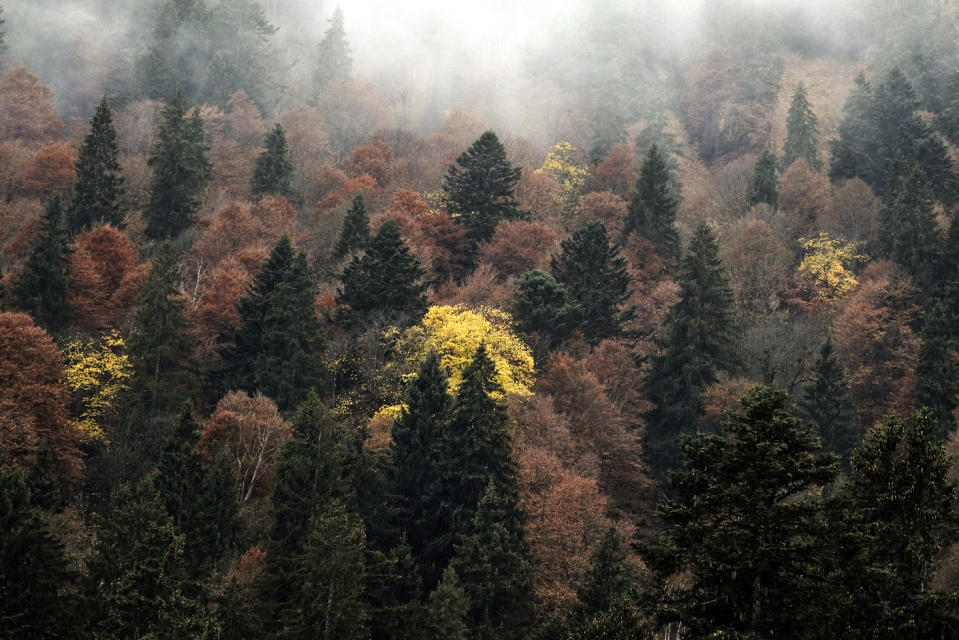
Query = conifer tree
x=393 y=591
x=609 y=577
x=543 y=307
x=653 y=206
x=333 y=61
x=99 y=184
x=765 y=187
x=35 y=577
x=180 y=171
x=699 y=343
x=908 y=232
x=273 y=169
x=276 y=348
x=595 y=278
x=828 y=404
x=745 y=525
x=447 y=608
x=161 y=347
x=802 y=132
x=41 y=290
x=854 y=151
x=479 y=188
x=355 y=232
x=385 y=283
x=937 y=375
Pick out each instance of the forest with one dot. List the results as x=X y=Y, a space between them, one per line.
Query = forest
x=580 y=320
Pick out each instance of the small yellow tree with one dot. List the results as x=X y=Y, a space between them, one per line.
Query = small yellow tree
x=826 y=267
x=98 y=372
x=562 y=167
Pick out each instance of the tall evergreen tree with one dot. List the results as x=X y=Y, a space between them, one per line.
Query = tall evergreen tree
x=908 y=232
x=161 y=347
x=609 y=578
x=595 y=278
x=698 y=344
x=802 y=132
x=41 y=290
x=273 y=169
x=854 y=151
x=276 y=348
x=746 y=526
x=180 y=170
x=355 y=232
x=765 y=187
x=333 y=61
x=828 y=404
x=99 y=184
x=393 y=590
x=543 y=308
x=653 y=206
x=479 y=188
x=937 y=375
x=448 y=608
x=385 y=283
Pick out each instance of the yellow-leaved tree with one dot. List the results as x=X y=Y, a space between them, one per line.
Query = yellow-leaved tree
x=825 y=272
x=563 y=166
x=97 y=372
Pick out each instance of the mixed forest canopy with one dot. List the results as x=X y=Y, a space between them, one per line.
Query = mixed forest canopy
x=401 y=321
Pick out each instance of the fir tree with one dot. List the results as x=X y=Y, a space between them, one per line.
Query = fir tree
x=333 y=61
x=479 y=188
x=908 y=232
x=41 y=289
x=937 y=375
x=393 y=591
x=448 y=608
x=99 y=184
x=161 y=347
x=543 y=308
x=273 y=168
x=276 y=348
x=854 y=151
x=355 y=232
x=828 y=404
x=609 y=578
x=35 y=577
x=653 y=206
x=802 y=132
x=745 y=525
x=699 y=343
x=595 y=278
x=180 y=171
x=765 y=187
x=385 y=283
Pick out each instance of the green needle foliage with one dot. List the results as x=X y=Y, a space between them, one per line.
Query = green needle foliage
x=653 y=206
x=41 y=290
x=99 y=184
x=273 y=169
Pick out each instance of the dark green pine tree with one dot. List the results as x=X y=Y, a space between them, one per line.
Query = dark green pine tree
x=137 y=581
x=273 y=169
x=653 y=206
x=447 y=608
x=161 y=347
x=609 y=579
x=543 y=308
x=178 y=52
x=947 y=274
x=595 y=278
x=35 y=576
x=479 y=188
x=802 y=132
x=828 y=404
x=949 y=117
x=937 y=375
x=276 y=348
x=99 y=184
x=854 y=151
x=242 y=59
x=745 y=526
x=908 y=232
x=180 y=171
x=386 y=283
x=493 y=559
x=765 y=187
x=41 y=289
x=333 y=61
x=393 y=590
x=355 y=232
x=699 y=343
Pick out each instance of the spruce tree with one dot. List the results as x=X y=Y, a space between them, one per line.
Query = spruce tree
x=99 y=184
x=180 y=171
x=273 y=169
x=699 y=343
x=479 y=188
x=854 y=152
x=802 y=132
x=161 y=347
x=276 y=348
x=828 y=404
x=596 y=280
x=543 y=308
x=937 y=375
x=393 y=591
x=745 y=525
x=385 y=283
x=765 y=187
x=447 y=608
x=355 y=232
x=333 y=61
x=41 y=289
x=653 y=206
x=609 y=578
x=908 y=232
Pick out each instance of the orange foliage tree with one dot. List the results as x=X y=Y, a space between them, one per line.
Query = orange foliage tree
x=50 y=171
x=26 y=109
x=618 y=171
x=518 y=246
x=104 y=277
